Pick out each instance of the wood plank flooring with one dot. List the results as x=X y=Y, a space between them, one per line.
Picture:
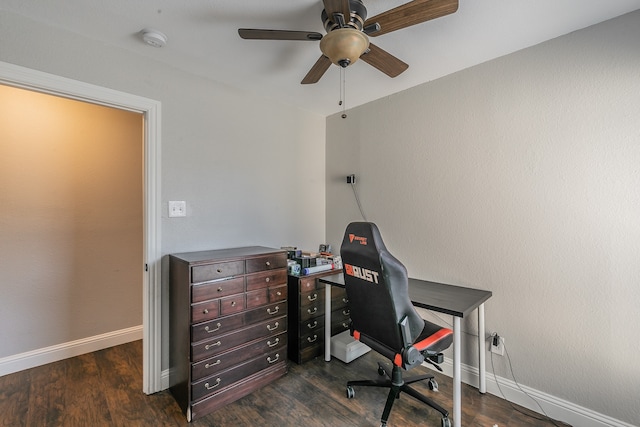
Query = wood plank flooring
x=104 y=388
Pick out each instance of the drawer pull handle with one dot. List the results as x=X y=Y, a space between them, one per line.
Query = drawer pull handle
x=268 y=263
x=211 y=387
x=312 y=297
x=346 y=312
x=315 y=337
x=220 y=289
x=274 y=360
x=345 y=300
x=211 y=365
x=206 y=328
x=277 y=309
x=275 y=326
x=312 y=311
x=233 y=304
x=219 y=270
x=310 y=326
x=279 y=293
x=275 y=343
x=267 y=279
x=215 y=344
x=205 y=311
x=345 y=325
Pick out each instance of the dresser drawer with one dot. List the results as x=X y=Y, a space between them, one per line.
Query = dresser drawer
x=267 y=262
x=232 y=304
x=340 y=320
x=339 y=298
x=206 y=291
x=204 y=311
x=223 y=325
x=268 y=312
x=209 y=348
x=226 y=378
x=266 y=296
x=312 y=310
x=267 y=278
x=308 y=284
x=203 y=273
x=312 y=298
x=224 y=360
x=311 y=325
x=315 y=337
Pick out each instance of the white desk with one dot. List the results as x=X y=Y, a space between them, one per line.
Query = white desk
x=456 y=301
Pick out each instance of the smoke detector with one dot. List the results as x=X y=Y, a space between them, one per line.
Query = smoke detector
x=154 y=38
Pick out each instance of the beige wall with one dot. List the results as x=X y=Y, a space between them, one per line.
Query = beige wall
x=522 y=176
x=71 y=220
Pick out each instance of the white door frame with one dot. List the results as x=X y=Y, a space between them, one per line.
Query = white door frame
x=17 y=76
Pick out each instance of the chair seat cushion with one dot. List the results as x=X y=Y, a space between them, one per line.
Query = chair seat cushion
x=433 y=338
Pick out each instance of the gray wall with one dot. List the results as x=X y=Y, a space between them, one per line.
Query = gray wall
x=520 y=175
x=243 y=164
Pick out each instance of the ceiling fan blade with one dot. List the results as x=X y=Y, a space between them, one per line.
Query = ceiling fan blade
x=411 y=13
x=317 y=71
x=256 y=34
x=337 y=6
x=384 y=61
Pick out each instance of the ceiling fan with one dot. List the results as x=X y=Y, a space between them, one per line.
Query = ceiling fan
x=348 y=31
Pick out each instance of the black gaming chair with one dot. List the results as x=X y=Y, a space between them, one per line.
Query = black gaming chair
x=383 y=317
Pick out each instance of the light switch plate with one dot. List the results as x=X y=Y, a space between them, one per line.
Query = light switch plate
x=177 y=209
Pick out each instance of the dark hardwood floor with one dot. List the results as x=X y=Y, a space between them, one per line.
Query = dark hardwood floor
x=104 y=388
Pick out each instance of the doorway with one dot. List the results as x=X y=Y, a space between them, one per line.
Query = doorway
x=149 y=110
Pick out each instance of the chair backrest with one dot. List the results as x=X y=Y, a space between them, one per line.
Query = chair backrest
x=377 y=287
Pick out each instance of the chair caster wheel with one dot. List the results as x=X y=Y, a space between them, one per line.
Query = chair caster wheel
x=433 y=385
x=350 y=392
x=446 y=422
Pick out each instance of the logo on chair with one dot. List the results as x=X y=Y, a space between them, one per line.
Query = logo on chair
x=361 y=273
x=362 y=240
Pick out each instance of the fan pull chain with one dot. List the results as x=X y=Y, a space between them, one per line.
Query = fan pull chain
x=343 y=89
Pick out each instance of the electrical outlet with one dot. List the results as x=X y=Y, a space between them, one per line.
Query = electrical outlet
x=177 y=209
x=351 y=179
x=496 y=344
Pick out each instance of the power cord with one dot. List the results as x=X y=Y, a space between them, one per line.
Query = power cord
x=547 y=418
x=355 y=193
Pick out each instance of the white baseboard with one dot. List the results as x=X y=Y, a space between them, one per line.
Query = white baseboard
x=554 y=407
x=42 y=356
x=164 y=379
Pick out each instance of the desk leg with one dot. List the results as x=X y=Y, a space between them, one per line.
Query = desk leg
x=327 y=323
x=482 y=383
x=457 y=388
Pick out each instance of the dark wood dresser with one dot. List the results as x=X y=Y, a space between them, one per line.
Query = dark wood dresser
x=306 y=315
x=228 y=325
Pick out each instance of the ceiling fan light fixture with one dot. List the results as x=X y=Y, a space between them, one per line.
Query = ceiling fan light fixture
x=343 y=46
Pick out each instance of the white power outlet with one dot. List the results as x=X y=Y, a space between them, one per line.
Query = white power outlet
x=496 y=347
x=177 y=209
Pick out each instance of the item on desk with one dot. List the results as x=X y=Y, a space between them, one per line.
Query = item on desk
x=324 y=247
x=292 y=251
x=337 y=262
x=317 y=269
x=305 y=261
x=294 y=269
x=323 y=261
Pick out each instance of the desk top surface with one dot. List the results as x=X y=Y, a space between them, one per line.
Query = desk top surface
x=450 y=299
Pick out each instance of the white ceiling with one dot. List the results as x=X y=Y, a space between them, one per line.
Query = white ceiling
x=203 y=39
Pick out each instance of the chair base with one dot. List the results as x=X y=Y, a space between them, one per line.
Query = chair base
x=397 y=385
